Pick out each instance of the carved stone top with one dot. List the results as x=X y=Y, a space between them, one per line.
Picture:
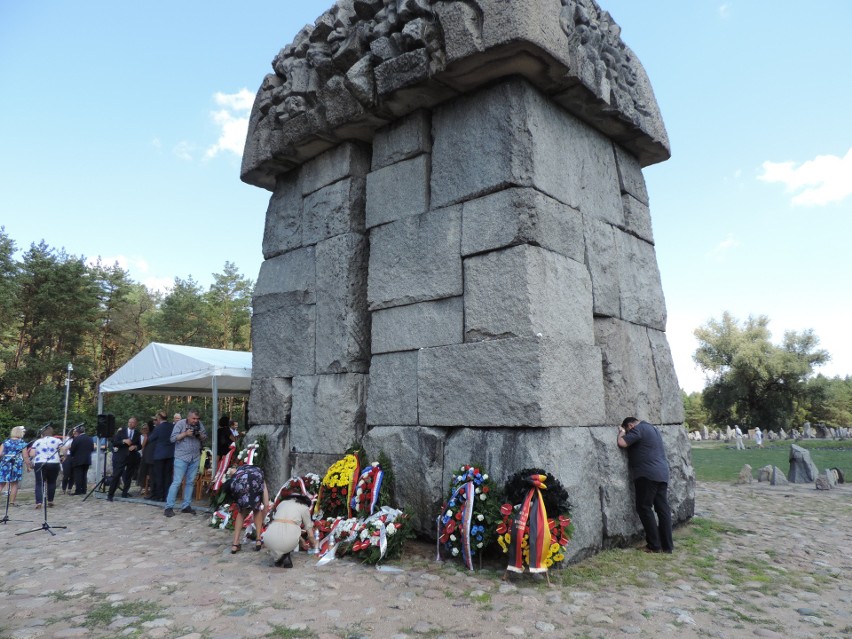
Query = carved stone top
x=365 y=63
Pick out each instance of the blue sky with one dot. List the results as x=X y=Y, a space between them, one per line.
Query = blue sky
x=121 y=127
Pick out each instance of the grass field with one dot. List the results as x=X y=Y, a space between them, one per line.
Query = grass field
x=721 y=461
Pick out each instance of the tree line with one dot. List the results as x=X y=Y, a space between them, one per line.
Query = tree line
x=57 y=308
x=755 y=383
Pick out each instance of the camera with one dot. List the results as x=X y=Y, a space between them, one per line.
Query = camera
x=195 y=429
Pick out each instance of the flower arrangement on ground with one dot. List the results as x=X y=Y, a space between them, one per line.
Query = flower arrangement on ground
x=536 y=523
x=337 y=486
x=378 y=537
x=307 y=485
x=469 y=517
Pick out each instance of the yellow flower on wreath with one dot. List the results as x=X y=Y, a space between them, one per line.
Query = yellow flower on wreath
x=340 y=473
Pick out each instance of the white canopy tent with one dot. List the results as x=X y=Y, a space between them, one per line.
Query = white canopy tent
x=171 y=369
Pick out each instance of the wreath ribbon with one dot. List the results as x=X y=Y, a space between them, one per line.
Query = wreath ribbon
x=463 y=495
x=533 y=518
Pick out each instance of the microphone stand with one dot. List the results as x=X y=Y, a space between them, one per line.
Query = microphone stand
x=6 y=518
x=45 y=526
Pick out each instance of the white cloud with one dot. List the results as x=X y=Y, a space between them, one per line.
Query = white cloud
x=232 y=121
x=725 y=11
x=824 y=180
x=724 y=247
x=159 y=284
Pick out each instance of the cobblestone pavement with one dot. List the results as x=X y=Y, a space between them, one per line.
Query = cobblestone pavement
x=775 y=562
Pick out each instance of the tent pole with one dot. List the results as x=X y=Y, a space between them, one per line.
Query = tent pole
x=215 y=426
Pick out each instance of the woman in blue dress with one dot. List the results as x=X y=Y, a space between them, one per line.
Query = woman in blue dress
x=12 y=463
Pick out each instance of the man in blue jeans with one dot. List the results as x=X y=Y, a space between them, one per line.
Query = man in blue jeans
x=650 y=470
x=188 y=435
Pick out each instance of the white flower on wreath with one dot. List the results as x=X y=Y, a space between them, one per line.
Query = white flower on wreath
x=480 y=517
x=478 y=490
x=483 y=496
x=479 y=545
x=391 y=529
x=484 y=477
x=364 y=534
x=449 y=513
x=452 y=537
x=455 y=551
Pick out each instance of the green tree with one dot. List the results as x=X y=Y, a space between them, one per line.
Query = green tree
x=8 y=296
x=229 y=298
x=695 y=415
x=752 y=381
x=184 y=317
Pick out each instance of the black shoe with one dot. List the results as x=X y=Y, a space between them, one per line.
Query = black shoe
x=168 y=512
x=284 y=561
x=189 y=510
x=109 y=498
x=125 y=495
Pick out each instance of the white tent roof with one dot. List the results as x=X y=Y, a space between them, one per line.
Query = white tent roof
x=169 y=369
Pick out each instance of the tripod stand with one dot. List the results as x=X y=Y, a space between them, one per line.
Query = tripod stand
x=45 y=526
x=6 y=519
x=102 y=481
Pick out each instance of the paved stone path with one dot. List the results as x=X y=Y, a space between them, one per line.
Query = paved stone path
x=776 y=563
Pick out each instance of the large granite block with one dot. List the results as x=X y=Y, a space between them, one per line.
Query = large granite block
x=392 y=395
x=405 y=138
x=630 y=374
x=343 y=322
x=510 y=134
x=603 y=263
x=671 y=404
x=637 y=218
x=416 y=259
x=521 y=216
x=510 y=382
x=283 y=333
x=292 y=272
x=523 y=291
x=630 y=177
x=397 y=191
x=333 y=210
x=681 y=491
x=328 y=412
x=414 y=326
x=642 y=300
x=283 y=229
x=271 y=400
x=345 y=160
x=417 y=455
x=276 y=468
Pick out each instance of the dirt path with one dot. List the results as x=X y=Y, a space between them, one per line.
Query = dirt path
x=760 y=561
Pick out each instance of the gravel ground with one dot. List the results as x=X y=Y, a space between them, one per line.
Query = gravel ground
x=773 y=562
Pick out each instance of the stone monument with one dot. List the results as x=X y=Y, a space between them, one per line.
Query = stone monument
x=459 y=259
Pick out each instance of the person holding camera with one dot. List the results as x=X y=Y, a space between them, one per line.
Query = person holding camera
x=188 y=435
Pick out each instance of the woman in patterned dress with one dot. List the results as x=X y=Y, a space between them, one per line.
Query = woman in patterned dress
x=249 y=492
x=12 y=463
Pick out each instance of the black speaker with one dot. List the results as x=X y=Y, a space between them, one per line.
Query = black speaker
x=106 y=426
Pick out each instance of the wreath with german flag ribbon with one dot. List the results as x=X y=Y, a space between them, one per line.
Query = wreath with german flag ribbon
x=536 y=523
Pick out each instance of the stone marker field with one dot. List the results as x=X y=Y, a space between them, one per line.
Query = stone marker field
x=757 y=561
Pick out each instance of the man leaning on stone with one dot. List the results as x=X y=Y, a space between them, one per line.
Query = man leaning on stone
x=650 y=470
x=188 y=435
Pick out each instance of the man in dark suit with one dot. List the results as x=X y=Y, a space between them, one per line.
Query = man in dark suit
x=125 y=457
x=81 y=458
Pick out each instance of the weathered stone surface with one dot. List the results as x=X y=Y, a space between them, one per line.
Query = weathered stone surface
x=397 y=191
x=418 y=54
x=283 y=229
x=529 y=141
x=416 y=259
x=345 y=160
x=271 y=400
x=778 y=477
x=802 y=469
x=637 y=218
x=524 y=291
x=414 y=326
x=510 y=382
x=302 y=463
x=603 y=263
x=642 y=300
x=521 y=216
x=392 y=396
x=342 y=319
x=404 y=139
x=328 y=412
x=334 y=210
x=630 y=177
x=681 y=489
x=630 y=379
x=745 y=476
x=292 y=272
x=276 y=468
x=671 y=404
x=417 y=455
x=286 y=329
